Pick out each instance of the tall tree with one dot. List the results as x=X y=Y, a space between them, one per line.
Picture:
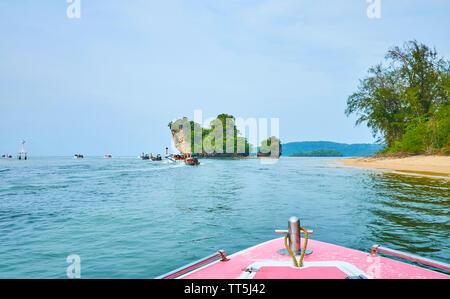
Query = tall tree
x=406 y=98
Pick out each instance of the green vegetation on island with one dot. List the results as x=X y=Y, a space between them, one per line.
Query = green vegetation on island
x=406 y=102
x=220 y=140
x=271 y=147
x=319 y=153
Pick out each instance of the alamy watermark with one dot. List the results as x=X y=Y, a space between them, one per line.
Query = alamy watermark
x=74 y=9
x=74 y=269
x=374 y=9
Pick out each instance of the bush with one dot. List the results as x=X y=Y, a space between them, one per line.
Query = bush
x=412 y=141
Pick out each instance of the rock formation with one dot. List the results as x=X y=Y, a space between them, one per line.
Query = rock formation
x=190 y=137
x=270 y=148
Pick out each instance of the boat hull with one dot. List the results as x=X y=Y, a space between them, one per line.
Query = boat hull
x=327 y=261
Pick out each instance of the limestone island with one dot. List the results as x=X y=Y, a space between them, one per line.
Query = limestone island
x=221 y=140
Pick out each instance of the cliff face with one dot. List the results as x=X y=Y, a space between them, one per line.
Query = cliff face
x=179 y=137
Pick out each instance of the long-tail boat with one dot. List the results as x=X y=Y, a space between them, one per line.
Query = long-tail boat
x=145 y=156
x=192 y=160
x=179 y=157
x=157 y=158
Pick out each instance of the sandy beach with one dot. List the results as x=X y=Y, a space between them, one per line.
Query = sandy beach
x=421 y=164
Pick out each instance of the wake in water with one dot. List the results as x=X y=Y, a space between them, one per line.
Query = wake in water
x=162 y=166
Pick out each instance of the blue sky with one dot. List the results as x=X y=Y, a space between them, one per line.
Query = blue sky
x=110 y=81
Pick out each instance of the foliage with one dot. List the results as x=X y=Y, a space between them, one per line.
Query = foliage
x=406 y=102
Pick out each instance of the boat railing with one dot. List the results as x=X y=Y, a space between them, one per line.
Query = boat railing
x=189 y=267
x=285 y=231
x=409 y=256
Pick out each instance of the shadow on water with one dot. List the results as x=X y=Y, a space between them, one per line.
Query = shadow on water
x=410 y=214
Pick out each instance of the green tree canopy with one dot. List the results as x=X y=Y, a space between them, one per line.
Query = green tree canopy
x=405 y=101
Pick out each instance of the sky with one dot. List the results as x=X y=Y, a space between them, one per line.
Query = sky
x=110 y=81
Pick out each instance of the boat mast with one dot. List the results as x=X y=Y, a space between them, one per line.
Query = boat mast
x=23 y=151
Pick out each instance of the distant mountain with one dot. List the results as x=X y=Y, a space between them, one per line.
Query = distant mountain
x=319 y=153
x=348 y=150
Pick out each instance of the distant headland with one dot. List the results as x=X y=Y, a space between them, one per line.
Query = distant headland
x=329 y=149
x=319 y=153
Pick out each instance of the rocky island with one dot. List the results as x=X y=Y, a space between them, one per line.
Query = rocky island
x=221 y=140
x=270 y=148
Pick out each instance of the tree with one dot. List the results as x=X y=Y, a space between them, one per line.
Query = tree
x=405 y=102
x=378 y=102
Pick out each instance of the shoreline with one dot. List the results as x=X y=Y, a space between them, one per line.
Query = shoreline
x=422 y=165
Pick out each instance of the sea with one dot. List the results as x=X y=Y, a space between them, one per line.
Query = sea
x=128 y=218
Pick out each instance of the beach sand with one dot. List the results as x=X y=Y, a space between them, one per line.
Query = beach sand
x=438 y=166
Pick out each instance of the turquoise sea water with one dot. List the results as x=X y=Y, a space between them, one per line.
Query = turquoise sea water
x=128 y=218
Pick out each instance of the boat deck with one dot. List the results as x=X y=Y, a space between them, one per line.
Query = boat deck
x=327 y=261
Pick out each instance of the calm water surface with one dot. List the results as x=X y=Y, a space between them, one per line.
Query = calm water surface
x=128 y=218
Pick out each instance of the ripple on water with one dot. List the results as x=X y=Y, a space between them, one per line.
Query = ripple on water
x=129 y=218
